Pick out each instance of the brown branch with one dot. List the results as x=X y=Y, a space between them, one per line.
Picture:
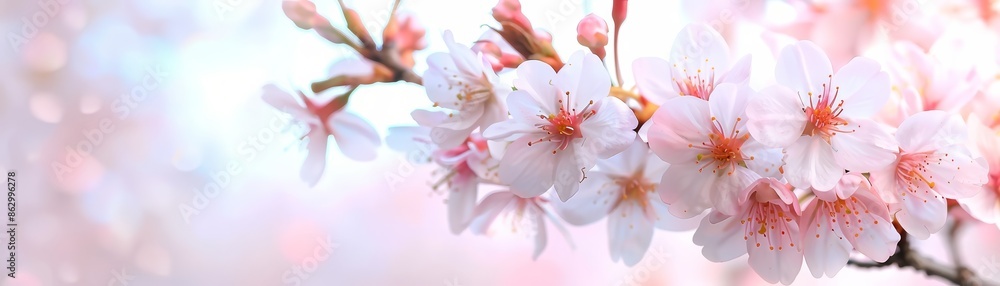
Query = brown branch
x=905 y=257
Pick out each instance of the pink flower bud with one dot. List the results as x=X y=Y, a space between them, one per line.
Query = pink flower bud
x=301 y=12
x=543 y=36
x=592 y=32
x=510 y=11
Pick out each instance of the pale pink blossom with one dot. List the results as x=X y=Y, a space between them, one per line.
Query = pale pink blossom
x=560 y=124
x=985 y=206
x=934 y=164
x=465 y=84
x=766 y=226
x=504 y=212
x=850 y=216
x=699 y=61
x=462 y=169
x=622 y=188
x=923 y=81
x=355 y=137
x=592 y=32
x=712 y=155
x=821 y=119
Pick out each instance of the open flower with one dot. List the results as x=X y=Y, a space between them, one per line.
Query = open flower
x=622 y=188
x=765 y=226
x=821 y=119
x=356 y=138
x=709 y=150
x=505 y=212
x=699 y=61
x=464 y=83
x=934 y=164
x=560 y=124
x=849 y=216
x=922 y=81
x=985 y=206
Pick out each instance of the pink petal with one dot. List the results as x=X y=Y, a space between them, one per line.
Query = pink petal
x=312 y=168
x=775 y=117
x=739 y=73
x=803 y=67
x=488 y=210
x=609 y=131
x=930 y=131
x=688 y=190
x=866 y=148
x=652 y=79
x=630 y=233
x=525 y=111
x=594 y=201
x=356 y=138
x=985 y=206
x=536 y=79
x=680 y=123
x=699 y=47
x=875 y=240
x=825 y=249
x=541 y=237
x=728 y=105
x=626 y=163
x=284 y=101
x=722 y=241
x=461 y=203
x=583 y=80
x=922 y=214
x=809 y=162
x=569 y=173
x=530 y=170
x=864 y=88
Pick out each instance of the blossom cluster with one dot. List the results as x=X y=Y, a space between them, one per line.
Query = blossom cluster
x=825 y=155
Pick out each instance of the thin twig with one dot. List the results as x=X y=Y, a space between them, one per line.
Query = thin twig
x=905 y=256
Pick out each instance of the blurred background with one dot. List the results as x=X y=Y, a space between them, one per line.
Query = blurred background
x=119 y=116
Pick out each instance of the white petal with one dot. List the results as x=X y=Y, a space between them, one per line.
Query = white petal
x=930 y=131
x=809 y=162
x=488 y=210
x=312 y=168
x=569 y=173
x=922 y=214
x=356 y=138
x=530 y=170
x=666 y=221
x=536 y=78
x=775 y=117
x=628 y=161
x=739 y=73
x=722 y=241
x=541 y=237
x=985 y=206
x=864 y=88
x=597 y=195
x=688 y=190
x=728 y=105
x=284 y=101
x=652 y=77
x=699 y=46
x=583 y=80
x=803 y=67
x=461 y=203
x=825 y=249
x=630 y=233
x=610 y=130
x=866 y=148
x=679 y=124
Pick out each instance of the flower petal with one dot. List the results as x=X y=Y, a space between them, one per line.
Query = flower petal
x=699 y=47
x=595 y=200
x=356 y=138
x=930 y=131
x=679 y=124
x=536 y=79
x=610 y=130
x=461 y=203
x=826 y=251
x=722 y=241
x=630 y=233
x=312 y=168
x=803 y=67
x=530 y=170
x=866 y=148
x=809 y=162
x=775 y=117
x=863 y=87
x=652 y=77
x=583 y=80
x=688 y=190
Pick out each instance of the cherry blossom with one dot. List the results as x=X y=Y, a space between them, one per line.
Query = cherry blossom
x=560 y=124
x=850 y=216
x=621 y=188
x=712 y=155
x=592 y=32
x=356 y=138
x=934 y=164
x=465 y=84
x=821 y=119
x=699 y=61
x=985 y=205
x=923 y=81
x=765 y=227
x=503 y=211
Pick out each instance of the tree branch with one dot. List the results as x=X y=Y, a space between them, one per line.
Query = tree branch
x=905 y=257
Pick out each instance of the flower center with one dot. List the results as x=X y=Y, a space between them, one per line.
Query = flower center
x=564 y=126
x=767 y=224
x=695 y=85
x=823 y=113
x=723 y=150
x=912 y=169
x=635 y=189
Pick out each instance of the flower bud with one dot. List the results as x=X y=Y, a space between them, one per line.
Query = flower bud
x=510 y=11
x=592 y=32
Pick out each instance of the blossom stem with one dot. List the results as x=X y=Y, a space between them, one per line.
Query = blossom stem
x=618 y=68
x=907 y=257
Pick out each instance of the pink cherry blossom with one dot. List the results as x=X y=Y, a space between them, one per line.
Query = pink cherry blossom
x=462 y=169
x=560 y=124
x=465 y=84
x=622 y=189
x=985 y=206
x=821 y=119
x=712 y=155
x=765 y=227
x=504 y=211
x=356 y=138
x=934 y=164
x=850 y=216
x=592 y=32
x=923 y=81
x=699 y=61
